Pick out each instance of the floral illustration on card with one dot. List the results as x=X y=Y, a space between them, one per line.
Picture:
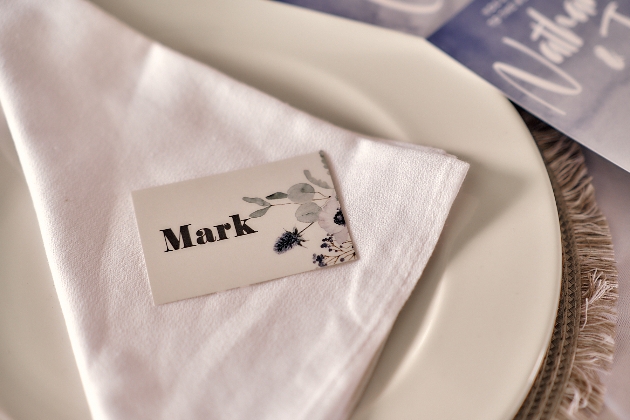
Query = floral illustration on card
x=317 y=207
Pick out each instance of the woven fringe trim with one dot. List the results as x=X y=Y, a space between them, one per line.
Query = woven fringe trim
x=583 y=396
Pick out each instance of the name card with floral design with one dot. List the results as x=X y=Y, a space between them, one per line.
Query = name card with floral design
x=240 y=228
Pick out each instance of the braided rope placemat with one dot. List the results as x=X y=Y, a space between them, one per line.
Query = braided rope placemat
x=568 y=385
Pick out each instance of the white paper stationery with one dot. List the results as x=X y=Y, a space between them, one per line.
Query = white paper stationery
x=242 y=227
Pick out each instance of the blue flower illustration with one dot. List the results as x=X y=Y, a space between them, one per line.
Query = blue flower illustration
x=287 y=241
x=314 y=207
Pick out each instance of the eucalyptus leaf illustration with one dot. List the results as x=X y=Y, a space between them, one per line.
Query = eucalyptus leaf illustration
x=323 y=157
x=259 y=213
x=318 y=182
x=321 y=214
x=256 y=200
x=276 y=196
x=301 y=193
x=307 y=212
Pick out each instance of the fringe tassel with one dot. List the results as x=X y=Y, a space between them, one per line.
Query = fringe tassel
x=583 y=395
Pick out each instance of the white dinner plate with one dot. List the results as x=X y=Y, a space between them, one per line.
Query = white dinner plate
x=469 y=341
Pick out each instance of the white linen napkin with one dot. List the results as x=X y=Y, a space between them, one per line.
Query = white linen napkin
x=97 y=111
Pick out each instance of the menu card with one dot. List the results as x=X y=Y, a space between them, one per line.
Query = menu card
x=417 y=17
x=564 y=61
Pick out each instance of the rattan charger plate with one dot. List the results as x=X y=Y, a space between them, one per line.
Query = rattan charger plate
x=568 y=385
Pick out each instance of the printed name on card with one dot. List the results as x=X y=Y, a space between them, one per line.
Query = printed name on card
x=239 y=228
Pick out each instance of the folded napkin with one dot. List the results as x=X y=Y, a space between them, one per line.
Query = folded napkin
x=97 y=111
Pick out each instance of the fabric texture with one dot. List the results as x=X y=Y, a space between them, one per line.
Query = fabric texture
x=96 y=111
x=612 y=188
x=568 y=385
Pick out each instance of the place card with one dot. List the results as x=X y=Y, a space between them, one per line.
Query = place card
x=239 y=228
